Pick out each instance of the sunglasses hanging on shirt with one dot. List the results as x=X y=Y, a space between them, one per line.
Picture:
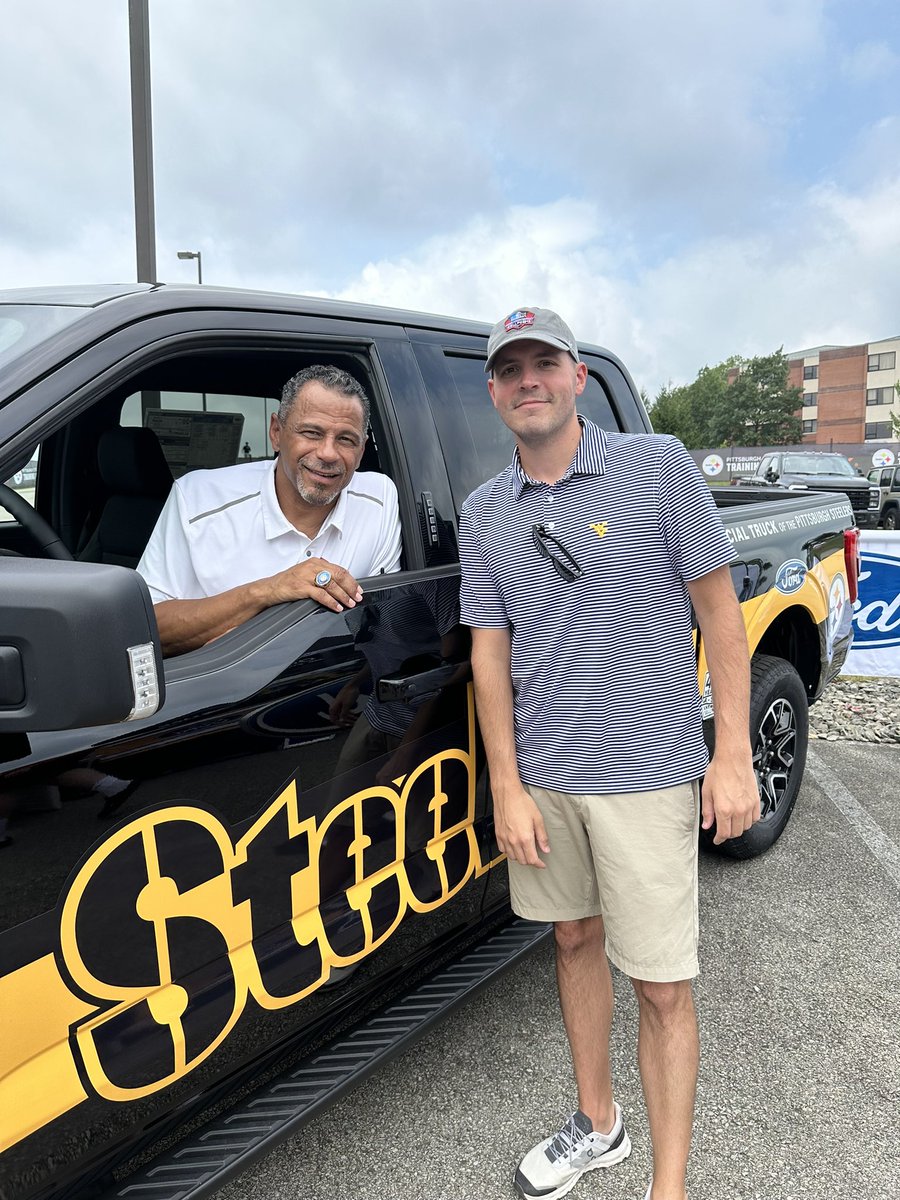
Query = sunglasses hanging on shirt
x=549 y=546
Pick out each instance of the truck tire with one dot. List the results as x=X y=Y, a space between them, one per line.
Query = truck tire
x=890 y=518
x=779 y=733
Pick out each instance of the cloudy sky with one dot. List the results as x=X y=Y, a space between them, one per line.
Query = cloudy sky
x=681 y=179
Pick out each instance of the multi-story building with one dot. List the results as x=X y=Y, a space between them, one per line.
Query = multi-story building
x=849 y=392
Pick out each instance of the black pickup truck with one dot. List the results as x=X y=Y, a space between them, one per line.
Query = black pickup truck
x=197 y=890
x=822 y=471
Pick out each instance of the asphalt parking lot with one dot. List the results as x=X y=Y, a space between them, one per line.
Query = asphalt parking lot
x=799 y=1003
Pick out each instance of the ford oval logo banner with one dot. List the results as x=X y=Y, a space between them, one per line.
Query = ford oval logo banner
x=876 y=619
x=790 y=576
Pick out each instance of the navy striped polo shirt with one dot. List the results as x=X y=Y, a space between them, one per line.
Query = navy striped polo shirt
x=603 y=669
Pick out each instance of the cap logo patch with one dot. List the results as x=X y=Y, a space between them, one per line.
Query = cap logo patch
x=518 y=320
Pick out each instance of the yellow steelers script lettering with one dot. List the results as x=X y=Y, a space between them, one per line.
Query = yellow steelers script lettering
x=170 y=925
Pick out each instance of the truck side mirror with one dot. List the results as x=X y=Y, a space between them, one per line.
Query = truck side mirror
x=79 y=646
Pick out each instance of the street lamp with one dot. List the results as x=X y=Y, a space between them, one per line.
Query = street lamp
x=194 y=254
x=184 y=254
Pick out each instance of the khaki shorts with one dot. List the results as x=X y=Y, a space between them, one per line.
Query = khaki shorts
x=630 y=858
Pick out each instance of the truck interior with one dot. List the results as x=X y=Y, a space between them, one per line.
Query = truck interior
x=103 y=477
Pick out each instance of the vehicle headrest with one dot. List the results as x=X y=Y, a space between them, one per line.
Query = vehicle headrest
x=132 y=463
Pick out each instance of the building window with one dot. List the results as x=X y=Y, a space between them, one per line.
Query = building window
x=882 y=395
x=809 y=426
x=810 y=399
x=811 y=372
x=883 y=362
x=880 y=430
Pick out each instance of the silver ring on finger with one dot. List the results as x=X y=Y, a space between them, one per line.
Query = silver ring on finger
x=323 y=579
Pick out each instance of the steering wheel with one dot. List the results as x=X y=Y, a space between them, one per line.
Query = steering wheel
x=34 y=524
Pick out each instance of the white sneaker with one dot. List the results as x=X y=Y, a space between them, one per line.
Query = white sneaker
x=556 y=1164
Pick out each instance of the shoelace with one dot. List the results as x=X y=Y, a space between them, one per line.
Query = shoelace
x=565 y=1141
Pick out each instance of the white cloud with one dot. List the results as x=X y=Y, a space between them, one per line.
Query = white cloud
x=829 y=276
x=519 y=251
x=312 y=137
x=95 y=252
x=672 y=178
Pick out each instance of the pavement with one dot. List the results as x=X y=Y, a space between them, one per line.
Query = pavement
x=799 y=1009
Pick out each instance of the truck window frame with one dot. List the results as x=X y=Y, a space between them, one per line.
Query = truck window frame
x=62 y=398
x=467 y=467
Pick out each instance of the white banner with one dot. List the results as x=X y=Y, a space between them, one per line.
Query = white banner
x=876 y=612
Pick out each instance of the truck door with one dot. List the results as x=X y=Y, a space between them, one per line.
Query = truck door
x=477 y=445
x=292 y=833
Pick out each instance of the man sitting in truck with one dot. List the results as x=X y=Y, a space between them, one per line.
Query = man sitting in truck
x=234 y=541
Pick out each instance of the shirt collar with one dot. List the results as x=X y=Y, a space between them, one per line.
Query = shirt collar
x=275 y=523
x=338 y=515
x=589 y=459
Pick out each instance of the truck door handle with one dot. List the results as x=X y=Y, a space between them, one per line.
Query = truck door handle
x=429 y=519
x=415 y=685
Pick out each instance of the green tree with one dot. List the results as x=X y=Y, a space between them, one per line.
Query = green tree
x=895 y=420
x=671 y=413
x=761 y=407
x=692 y=411
x=757 y=409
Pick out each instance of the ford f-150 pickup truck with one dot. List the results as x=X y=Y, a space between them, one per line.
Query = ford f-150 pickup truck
x=198 y=888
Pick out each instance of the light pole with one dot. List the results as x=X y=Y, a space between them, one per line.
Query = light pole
x=142 y=140
x=194 y=254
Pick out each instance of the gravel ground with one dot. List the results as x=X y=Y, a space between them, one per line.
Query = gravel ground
x=858 y=708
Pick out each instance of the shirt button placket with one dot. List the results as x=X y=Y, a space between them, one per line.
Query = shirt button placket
x=548 y=500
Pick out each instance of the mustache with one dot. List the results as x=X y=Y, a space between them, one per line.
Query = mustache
x=321 y=468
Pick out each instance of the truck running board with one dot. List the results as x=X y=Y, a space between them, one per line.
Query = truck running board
x=234 y=1139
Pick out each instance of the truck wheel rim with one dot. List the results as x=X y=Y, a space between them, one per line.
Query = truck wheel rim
x=773 y=755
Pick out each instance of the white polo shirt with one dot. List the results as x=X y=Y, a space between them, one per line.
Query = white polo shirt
x=225 y=527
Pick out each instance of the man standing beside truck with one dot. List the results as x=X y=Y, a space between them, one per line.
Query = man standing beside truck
x=236 y=540
x=581 y=563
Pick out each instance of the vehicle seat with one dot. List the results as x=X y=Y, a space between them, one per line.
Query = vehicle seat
x=137 y=480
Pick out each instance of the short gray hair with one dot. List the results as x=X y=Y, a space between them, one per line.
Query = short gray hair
x=329 y=377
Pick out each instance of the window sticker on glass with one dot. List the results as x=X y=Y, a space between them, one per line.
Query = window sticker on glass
x=193 y=440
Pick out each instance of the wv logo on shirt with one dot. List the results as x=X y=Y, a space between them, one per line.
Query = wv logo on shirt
x=600 y=528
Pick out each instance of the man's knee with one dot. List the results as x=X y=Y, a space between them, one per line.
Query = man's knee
x=664 y=1001
x=574 y=937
